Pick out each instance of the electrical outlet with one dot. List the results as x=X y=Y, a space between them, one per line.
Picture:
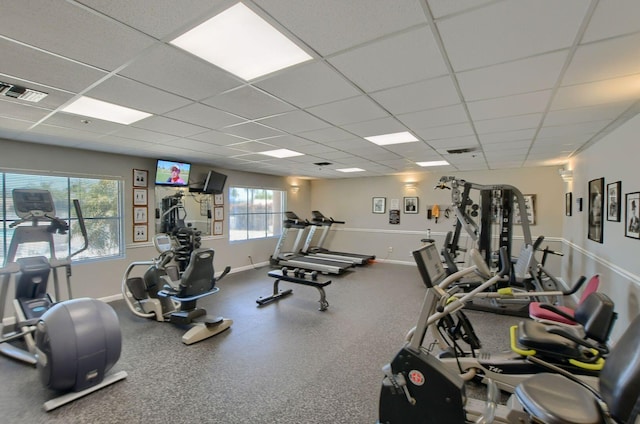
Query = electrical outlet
x=390 y=249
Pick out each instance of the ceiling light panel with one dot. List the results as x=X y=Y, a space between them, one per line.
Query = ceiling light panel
x=393 y=138
x=93 y=108
x=281 y=153
x=350 y=170
x=241 y=42
x=433 y=163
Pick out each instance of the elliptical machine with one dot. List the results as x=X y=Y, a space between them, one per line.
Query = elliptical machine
x=167 y=295
x=73 y=343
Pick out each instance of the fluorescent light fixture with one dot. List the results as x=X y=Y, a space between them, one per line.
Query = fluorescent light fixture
x=281 y=153
x=350 y=170
x=393 y=138
x=241 y=42
x=433 y=163
x=87 y=106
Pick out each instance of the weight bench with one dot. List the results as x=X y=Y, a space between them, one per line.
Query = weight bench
x=280 y=276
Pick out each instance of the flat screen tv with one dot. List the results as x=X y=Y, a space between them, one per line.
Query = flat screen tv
x=214 y=183
x=172 y=173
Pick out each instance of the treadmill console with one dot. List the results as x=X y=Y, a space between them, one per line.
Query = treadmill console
x=33 y=202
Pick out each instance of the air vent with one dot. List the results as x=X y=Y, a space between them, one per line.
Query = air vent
x=323 y=163
x=460 y=151
x=21 y=93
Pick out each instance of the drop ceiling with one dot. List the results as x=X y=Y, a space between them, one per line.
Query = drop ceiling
x=524 y=83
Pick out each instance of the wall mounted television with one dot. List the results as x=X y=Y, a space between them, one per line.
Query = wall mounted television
x=172 y=173
x=214 y=183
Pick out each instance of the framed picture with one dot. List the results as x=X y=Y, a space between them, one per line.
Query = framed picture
x=613 y=201
x=632 y=221
x=140 y=178
x=140 y=233
x=596 y=207
x=140 y=215
x=218 y=213
x=567 y=204
x=217 y=228
x=218 y=199
x=379 y=205
x=139 y=197
x=411 y=205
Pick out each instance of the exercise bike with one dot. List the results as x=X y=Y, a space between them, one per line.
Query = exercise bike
x=579 y=349
x=73 y=343
x=419 y=388
x=166 y=295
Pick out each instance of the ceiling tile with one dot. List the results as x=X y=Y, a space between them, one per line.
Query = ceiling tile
x=351 y=22
x=217 y=137
x=501 y=137
x=573 y=129
x=519 y=104
x=308 y=85
x=355 y=109
x=511 y=123
x=24 y=112
x=612 y=18
x=46 y=69
x=294 y=122
x=603 y=60
x=434 y=117
x=508 y=30
x=177 y=72
x=73 y=32
x=165 y=18
x=129 y=93
x=249 y=102
x=206 y=116
x=252 y=131
x=441 y=8
x=422 y=95
x=415 y=53
x=586 y=114
x=598 y=93
x=445 y=131
x=326 y=134
x=169 y=126
x=520 y=76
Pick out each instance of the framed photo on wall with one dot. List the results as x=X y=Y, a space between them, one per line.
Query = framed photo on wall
x=379 y=205
x=140 y=178
x=596 y=209
x=613 y=201
x=139 y=197
x=218 y=199
x=632 y=220
x=140 y=215
x=217 y=228
x=218 y=213
x=411 y=205
x=140 y=233
x=567 y=204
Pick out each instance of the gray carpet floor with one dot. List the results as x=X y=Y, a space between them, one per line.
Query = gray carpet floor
x=284 y=362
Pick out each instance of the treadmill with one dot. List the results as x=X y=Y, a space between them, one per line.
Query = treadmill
x=320 y=221
x=295 y=259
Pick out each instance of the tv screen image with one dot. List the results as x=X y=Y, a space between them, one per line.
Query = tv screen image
x=172 y=173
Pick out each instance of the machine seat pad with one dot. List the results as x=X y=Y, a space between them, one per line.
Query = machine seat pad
x=536 y=312
x=535 y=335
x=554 y=399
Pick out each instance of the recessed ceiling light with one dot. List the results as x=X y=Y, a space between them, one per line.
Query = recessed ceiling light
x=87 y=106
x=281 y=153
x=350 y=170
x=433 y=163
x=241 y=42
x=393 y=138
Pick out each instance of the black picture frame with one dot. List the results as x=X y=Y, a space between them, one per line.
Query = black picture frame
x=568 y=204
x=596 y=210
x=631 y=218
x=613 y=201
x=411 y=205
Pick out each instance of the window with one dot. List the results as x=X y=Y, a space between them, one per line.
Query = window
x=255 y=213
x=101 y=205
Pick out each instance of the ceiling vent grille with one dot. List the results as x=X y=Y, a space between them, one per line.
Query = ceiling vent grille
x=21 y=93
x=323 y=163
x=461 y=151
